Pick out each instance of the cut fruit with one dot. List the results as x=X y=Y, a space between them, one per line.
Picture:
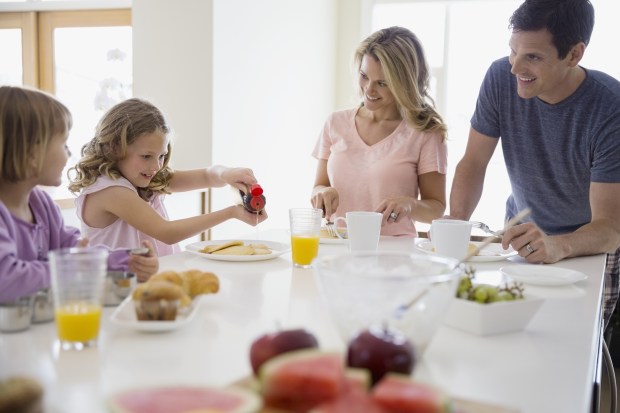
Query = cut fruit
x=183 y=399
x=302 y=379
x=398 y=393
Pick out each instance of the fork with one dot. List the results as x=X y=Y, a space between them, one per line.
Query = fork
x=331 y=229
x=485 y=228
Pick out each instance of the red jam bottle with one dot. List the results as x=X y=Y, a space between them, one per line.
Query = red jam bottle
x=254 y=200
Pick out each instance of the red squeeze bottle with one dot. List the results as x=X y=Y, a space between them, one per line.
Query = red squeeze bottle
x=254 y=200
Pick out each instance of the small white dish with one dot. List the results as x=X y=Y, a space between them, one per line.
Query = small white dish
x=490 y=253
x=125 y=316
x=492 y=318
x=540 y=274
x=277 y=249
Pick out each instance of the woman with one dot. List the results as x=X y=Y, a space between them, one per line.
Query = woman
x=389 y=153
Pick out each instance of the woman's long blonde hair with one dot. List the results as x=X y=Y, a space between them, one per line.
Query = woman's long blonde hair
x=119 y=127
x=401 y=56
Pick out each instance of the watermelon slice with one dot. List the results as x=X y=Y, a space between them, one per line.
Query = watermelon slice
x=302 y=379
x=398 y=393
x=185 y=399
x=354 y=396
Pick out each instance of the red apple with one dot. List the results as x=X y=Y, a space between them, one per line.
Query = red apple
x=270 y=345
x=381 y=350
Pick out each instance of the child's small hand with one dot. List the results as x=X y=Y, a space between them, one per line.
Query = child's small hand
x=250 y=217
x=82 y=243
x=240 y=178
x=144 y=265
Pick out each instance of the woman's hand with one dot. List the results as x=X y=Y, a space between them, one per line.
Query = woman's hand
x=325 y=198
x=144 y=265
x=396 y=209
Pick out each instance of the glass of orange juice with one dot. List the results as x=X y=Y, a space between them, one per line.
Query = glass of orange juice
x=305 y=232
x=78 y=279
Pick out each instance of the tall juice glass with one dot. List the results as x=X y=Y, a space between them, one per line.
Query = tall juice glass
x=305 y=232
x=78 y=279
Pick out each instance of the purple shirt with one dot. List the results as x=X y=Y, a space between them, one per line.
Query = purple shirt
x=24 y=246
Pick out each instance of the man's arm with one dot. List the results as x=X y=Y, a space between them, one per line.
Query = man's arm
x=601 y=234
x=469 y=175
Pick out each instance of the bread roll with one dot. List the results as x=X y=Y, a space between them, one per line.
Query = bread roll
x=21 y=395
x=196 y=282
x=171 y=276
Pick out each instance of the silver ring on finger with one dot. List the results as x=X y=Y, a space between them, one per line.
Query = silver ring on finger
x=393 y=216
x=529 y=248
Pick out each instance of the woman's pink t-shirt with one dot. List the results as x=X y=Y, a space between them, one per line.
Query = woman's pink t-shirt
x=120 y=234
x=366 y=175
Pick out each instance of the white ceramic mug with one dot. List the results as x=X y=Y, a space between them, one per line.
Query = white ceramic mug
x=450 y=237
x=363 y=228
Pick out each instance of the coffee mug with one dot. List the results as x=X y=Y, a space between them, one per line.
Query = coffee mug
x=363 y=230
x=450 y=237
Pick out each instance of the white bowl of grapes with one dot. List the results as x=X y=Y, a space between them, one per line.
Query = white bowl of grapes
x=484 y=309
x=393 y=293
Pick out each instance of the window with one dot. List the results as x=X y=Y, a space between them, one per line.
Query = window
x=83 y=57
x=461 y=38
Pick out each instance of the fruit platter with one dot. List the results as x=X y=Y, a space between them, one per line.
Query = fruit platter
x=291 y=373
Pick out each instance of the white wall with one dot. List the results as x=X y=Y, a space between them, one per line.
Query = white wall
x=173 y=69
x=274 y=84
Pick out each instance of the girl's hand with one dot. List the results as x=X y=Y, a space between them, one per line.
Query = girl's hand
x=144 y=265
x=82 y=243
x=240 y=178
x=248 y=217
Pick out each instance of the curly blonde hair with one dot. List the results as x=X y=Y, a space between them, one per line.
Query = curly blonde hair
x=119 y=127
x=406 y=71
x=29 y=119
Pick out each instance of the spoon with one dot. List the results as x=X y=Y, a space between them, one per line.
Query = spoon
x=401 y=309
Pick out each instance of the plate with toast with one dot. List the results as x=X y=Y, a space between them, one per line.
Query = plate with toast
x=238 y=250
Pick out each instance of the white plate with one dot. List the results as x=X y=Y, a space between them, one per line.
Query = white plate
x=492 y=252
x=539 y=274
x=125 y=316
x=330 y=240
x=277 y=249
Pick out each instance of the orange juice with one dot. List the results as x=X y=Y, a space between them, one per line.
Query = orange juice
x=78 y=322
x=304 y=249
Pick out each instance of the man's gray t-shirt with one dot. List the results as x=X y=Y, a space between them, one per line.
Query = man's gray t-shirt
x=553 y=152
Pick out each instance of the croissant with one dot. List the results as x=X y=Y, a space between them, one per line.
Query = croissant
x=196 y=282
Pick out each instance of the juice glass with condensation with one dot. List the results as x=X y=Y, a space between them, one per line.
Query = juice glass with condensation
x=78 y=283
x=305 y=233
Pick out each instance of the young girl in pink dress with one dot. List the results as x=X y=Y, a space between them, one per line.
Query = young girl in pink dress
x=34 y=127
x=123 y=176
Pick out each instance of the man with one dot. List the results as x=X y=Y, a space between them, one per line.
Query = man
x=559 y=125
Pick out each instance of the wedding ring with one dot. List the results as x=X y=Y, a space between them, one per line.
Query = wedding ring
x=529 y=248
x=393 y=216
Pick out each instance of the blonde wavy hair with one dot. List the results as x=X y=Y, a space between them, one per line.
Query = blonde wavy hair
x=119 y=127
x=406 y=71
x=29 y=119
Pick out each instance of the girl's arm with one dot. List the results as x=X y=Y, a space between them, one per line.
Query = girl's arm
x=127 y=205
x=212 y=177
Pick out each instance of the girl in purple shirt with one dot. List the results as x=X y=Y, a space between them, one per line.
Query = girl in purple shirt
x=34 y=128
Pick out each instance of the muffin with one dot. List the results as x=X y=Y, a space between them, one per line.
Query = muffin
x=20 y=395
x=157 y=300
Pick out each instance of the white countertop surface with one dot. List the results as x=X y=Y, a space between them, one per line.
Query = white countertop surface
x=547 y=368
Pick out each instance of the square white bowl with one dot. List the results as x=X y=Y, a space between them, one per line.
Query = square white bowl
x=492 y=318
